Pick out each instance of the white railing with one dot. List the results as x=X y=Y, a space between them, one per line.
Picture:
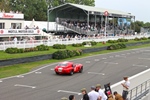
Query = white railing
x=139 y=91
x=33 y=43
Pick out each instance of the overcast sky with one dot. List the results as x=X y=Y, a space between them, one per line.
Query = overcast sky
x=139 y=8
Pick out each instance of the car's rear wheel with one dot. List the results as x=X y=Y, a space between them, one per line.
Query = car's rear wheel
x=71 y=72
x=81 y=70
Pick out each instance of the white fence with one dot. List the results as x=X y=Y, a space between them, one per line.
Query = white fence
x=33 y=43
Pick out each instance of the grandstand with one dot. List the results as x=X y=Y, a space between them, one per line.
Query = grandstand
x=67 y=18
x=89 y=20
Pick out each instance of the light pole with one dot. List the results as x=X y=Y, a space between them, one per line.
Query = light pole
x=47 y=18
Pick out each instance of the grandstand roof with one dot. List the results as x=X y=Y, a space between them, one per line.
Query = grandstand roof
x=96 y=10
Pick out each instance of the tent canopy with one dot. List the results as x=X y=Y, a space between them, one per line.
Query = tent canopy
x=33 y=24
x=69 y=7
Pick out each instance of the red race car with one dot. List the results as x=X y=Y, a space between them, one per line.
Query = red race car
x=68 y=68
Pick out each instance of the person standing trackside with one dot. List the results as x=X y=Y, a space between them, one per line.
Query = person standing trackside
x=117 y=96
x=85 y=95
x=126 y=86
x=93 y=95
x=101 y=92
x=71 y=97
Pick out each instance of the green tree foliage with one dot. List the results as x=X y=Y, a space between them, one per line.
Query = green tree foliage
x=137 y=25
x=4 y=5
x=36 y=9
x=147 y=25
x=54 y=3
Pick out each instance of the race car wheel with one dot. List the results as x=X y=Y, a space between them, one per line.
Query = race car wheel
x=71 y=72
x=57 y=73
x=81 y=70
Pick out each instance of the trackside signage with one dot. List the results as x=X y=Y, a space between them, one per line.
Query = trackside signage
x=11 y=15
x=19 y=31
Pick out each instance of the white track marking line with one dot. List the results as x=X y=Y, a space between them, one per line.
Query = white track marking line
x=145 y=50
x=96 y=60
x=19 y=85
x=52 y=69
x=96 y=73
x=144 y=58
x=87 y=62
x=38 y=72
x=123 y=54
x=111 y=56
x=146 y=53
x=120 y=56
x=20 y=76
x=139 y=65
x=69 y=92
x=110 y=62
x=1 y=81
x=104 y=58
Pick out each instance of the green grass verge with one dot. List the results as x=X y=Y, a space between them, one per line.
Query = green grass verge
x=5 y=56
x=26 y=67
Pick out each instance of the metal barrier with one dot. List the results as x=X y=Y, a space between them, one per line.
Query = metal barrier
x=139 y=91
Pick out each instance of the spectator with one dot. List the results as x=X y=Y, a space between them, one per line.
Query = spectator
x=93 y=95
x=71 y=97
x=64 y=98
x=126 y=86
x=85 y=95
x=117 y=96
x=110 y=97
x=101 y=92
x=15 y=40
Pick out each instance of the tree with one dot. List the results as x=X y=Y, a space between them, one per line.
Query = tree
x=54 y=3
x=4 y=5
x=137 y=25
x=36 y=9
x=147 y=25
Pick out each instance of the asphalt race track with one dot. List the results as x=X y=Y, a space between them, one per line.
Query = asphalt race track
x=44 y=84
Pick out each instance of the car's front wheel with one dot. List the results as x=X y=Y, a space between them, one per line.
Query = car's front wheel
x=57 y=73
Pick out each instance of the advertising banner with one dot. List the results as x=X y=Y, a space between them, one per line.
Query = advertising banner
x=11 y=16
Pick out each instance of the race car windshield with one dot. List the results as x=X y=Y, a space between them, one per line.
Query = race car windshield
x=62 y=65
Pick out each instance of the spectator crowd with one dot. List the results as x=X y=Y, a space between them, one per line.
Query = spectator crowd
x=97 y=93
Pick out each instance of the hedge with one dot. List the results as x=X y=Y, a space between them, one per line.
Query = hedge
x=90 y=42
x=62 y=54
x=77 y=45
x=59 y=46
x=16 y=50
x=116 y=46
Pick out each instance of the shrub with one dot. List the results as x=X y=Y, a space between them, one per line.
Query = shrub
x=20 y=51
x=42 y=47
x=143 y=38
x=122 y=40
x=11 y=50
x=89 y=43
x=137 y=39
x=93 y=43
x=77 y=45
x=59 y=46
x=116 y=46
x=62 y=54
x=112 y=41
x=84 y=43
